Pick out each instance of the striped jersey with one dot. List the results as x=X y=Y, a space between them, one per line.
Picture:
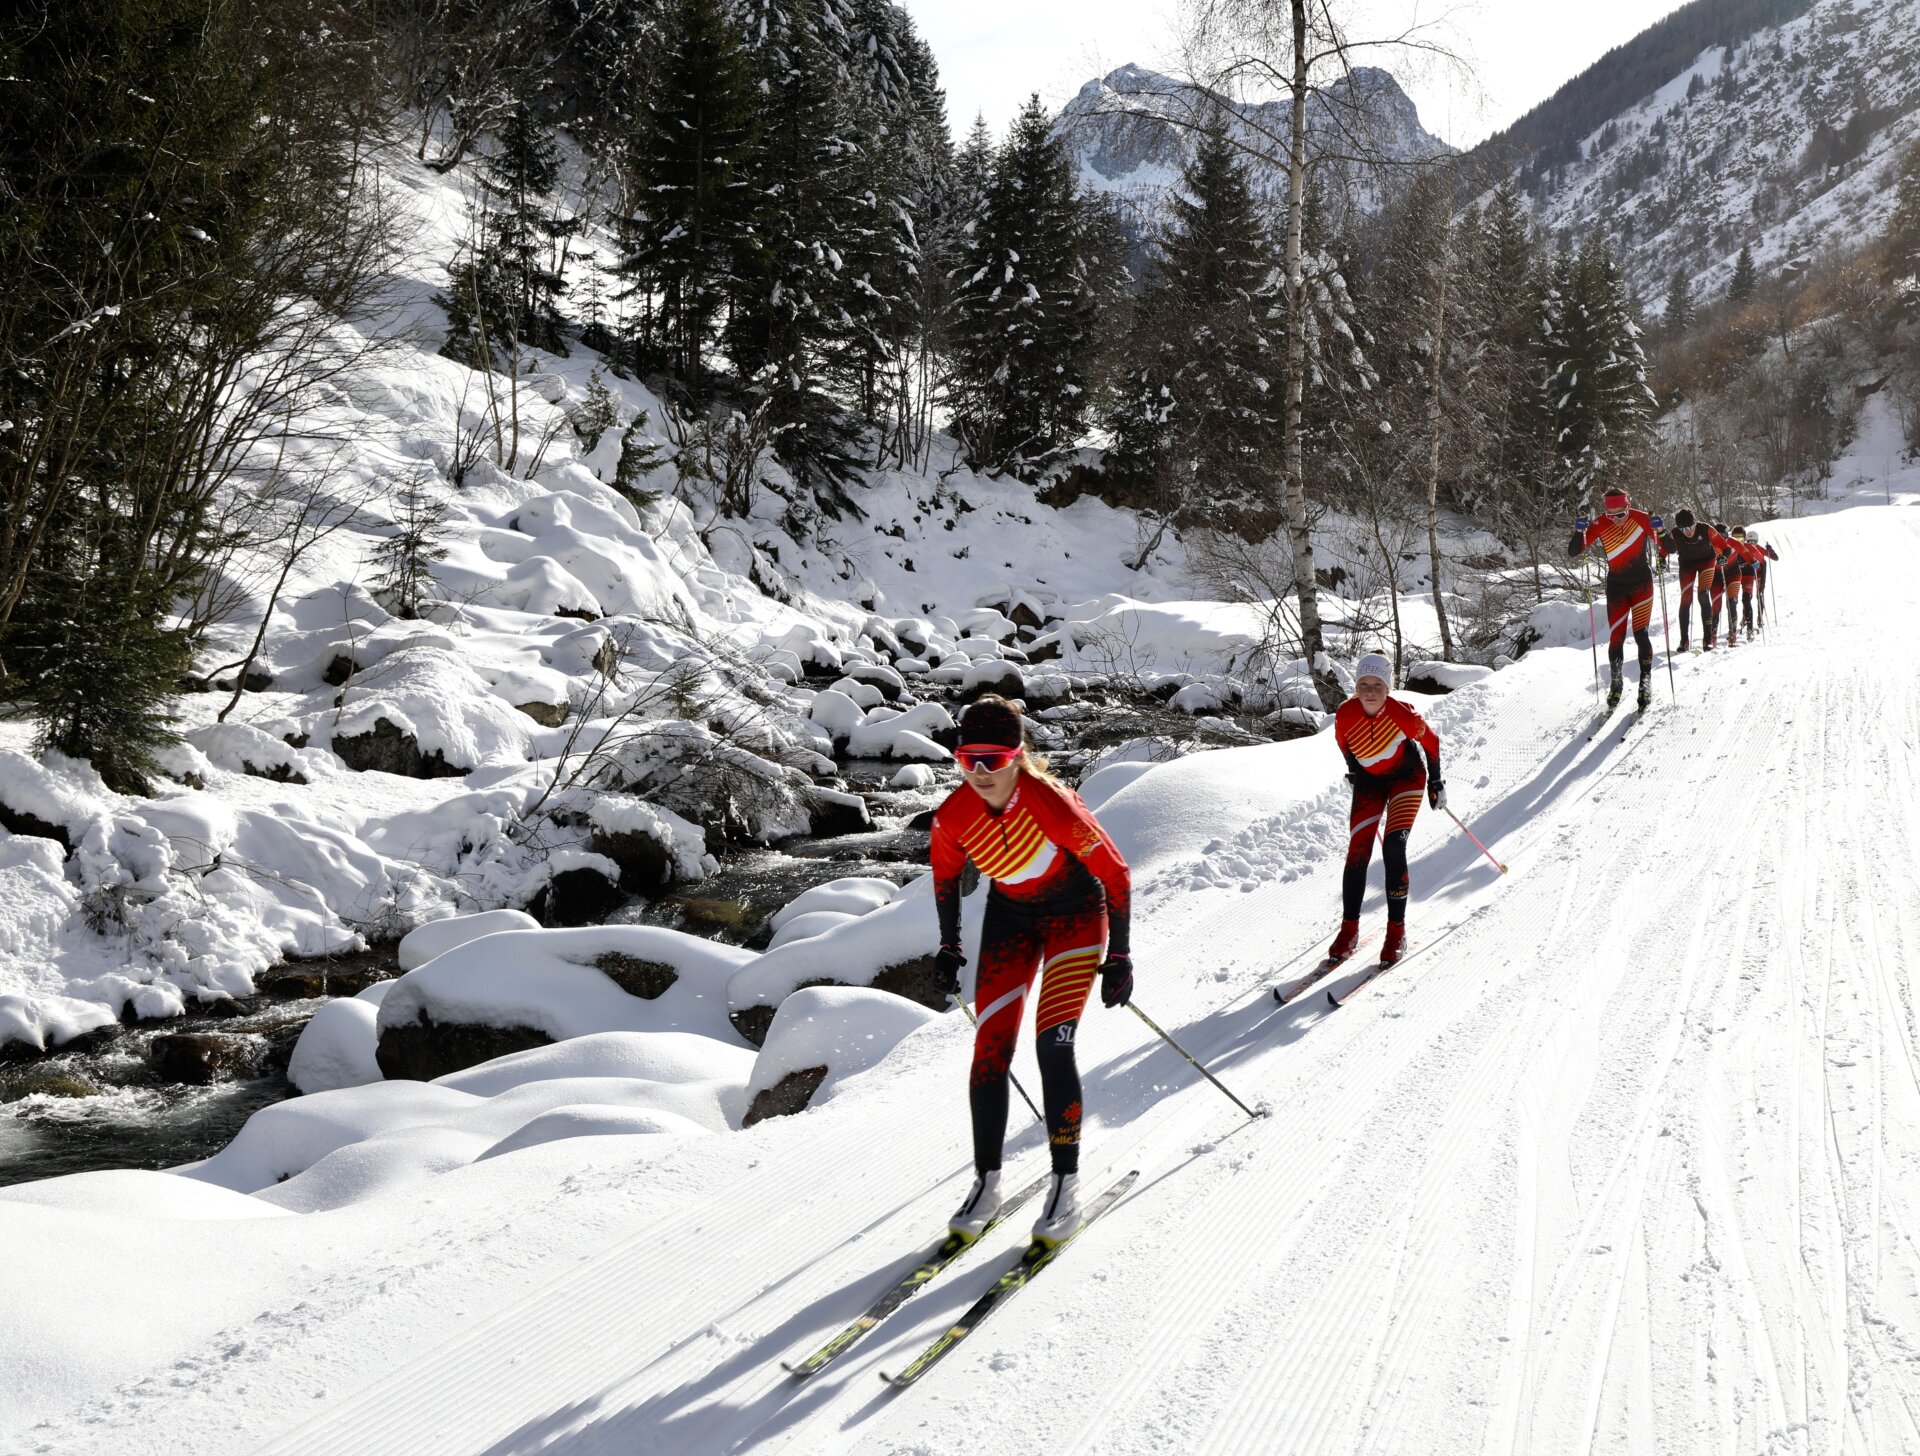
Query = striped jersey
x=1044 y=845
x=1626 y=544
x=1383 y=745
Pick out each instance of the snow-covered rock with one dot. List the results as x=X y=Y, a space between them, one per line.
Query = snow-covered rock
x=524 y=988
x=1443 y=677
x=337 y=1047
x=437 y=937
x=819 y=1038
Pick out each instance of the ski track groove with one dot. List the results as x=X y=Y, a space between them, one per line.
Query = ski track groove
x=1500 y=1207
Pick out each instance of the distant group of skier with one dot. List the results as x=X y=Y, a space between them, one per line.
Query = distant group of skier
x=1718 y=569
x=1057 y=908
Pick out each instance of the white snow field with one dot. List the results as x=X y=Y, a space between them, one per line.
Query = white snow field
x=1624 y=1158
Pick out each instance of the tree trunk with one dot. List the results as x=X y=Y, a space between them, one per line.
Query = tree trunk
x=1294 y=489
x=1434 y=375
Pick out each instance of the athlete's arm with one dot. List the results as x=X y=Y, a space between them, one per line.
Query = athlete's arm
x=949 y=859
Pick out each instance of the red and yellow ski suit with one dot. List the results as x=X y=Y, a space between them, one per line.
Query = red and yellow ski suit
x=1627 y=543
x=1059 y=900
x=1388 y=778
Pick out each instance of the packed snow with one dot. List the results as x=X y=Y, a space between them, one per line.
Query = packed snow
x=1621 y=1158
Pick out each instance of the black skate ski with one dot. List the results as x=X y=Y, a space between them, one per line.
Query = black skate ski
x=1038 y=1255
x=944 y=1253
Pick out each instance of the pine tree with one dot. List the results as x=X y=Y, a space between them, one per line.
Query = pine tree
x=789 y=301
x=1744 y=279
x=898 y=192
x=1514 y=282
x=1198 y=415
x=1679 y=316
x=404 y=561
x=1598 y=397
x=1022 y=308
x=692 y=147
x=505 y=293
x=1900 y=248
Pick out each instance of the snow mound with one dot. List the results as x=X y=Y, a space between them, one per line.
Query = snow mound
x=437 y=937
x=337 y=1047
x=1446 y=676
x=429 y=694
x=854 y=895
x=843 y=1030
x=563 y=983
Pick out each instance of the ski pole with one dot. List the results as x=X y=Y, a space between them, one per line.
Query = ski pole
x=955 y=999
x=1476 y=841
x=1666 y=634
x=1189 y=1056
x=1593 y=629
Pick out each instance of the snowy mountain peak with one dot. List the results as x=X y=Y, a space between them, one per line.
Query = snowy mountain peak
x=1130 y=131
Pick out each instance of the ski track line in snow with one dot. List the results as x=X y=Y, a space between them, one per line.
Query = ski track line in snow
x=629 y=1412
x=686 y=1375
x=1265 y=1408
x=1654 y=1093
x=652 y=1292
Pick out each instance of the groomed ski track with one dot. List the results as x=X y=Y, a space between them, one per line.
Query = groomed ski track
x=1625 y=1159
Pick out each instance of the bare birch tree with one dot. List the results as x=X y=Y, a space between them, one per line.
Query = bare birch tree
x=1242 y=51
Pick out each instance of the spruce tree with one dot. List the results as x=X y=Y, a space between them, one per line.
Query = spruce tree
x=1198 y=413
x=1599 y=400
x=789 y=299
x=505 y=293
x=692 y=147
x=1740 y=290
x=1022 y=308
x=1514 y=281
x=1679 y=316
x=1900 y=248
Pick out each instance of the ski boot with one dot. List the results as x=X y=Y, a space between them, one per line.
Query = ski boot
x=1346 y=942
x=1646 y=696
x=1060 y=1216
x=1614 y=691
x=1395 y=943
x=981 y=1204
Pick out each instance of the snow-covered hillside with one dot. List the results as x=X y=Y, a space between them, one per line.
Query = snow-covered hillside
x=1621 y=1159
x=1787 y=144
x=383 y=770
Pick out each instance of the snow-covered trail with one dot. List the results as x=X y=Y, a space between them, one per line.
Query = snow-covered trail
x=1626 y=1156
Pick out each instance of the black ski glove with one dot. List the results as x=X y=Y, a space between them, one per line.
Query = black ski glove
x=946 y=969
x=1116 y=981
x=1357 y=776
x=1436 y=794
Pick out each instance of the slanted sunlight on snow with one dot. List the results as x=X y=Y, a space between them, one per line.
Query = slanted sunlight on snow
x=1621 y=1158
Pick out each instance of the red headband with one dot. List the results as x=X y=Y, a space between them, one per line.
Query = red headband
x=1616 y=500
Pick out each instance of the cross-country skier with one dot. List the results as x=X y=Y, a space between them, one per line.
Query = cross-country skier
x=1057 y=907
x=1753 y=562
x=1625 y=534
x=1767 y=553
x=1696 y=544
x=1378 y=735
x=1726 y=583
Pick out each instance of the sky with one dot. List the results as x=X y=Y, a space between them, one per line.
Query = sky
x=992 y=53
